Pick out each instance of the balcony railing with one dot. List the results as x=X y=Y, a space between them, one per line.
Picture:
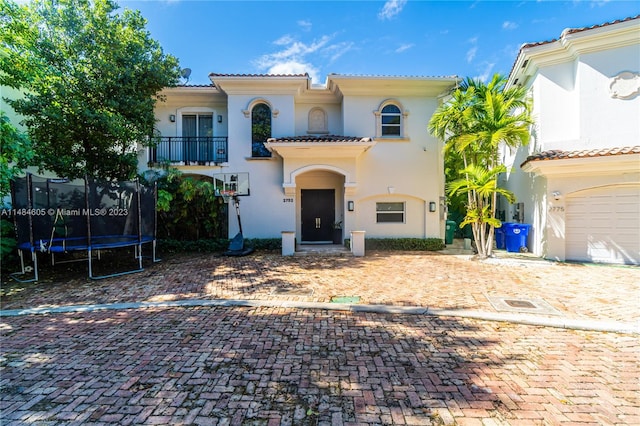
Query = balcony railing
x=189 y=150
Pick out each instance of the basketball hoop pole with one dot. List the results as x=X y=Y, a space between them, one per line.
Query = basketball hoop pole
x=236 y=201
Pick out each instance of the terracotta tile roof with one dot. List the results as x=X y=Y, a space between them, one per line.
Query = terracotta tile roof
x=194 y=85
x=316 y=139
x=557 y=154
x=213 y=74
x=564 y=33
x=394 y=76
x=578 y=30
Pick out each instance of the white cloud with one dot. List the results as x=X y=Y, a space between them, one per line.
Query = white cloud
x=391 y=8
x=508 y=25
x=404 y=47
x=486 y=73
x=294 y=67
x=297 y=57
x=285 y=39
x=471 y=53
x=335 y=51
x=305 y=24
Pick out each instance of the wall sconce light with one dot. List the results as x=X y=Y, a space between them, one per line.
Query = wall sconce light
x=172 y=118
x=556 y=195
x=391 y=189
x=219 y=119
x=350 y=206
x=432 y=206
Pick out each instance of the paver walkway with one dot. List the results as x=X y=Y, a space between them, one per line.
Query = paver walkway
x=277 y=365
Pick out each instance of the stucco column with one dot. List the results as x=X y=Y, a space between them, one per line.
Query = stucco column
x=357 y=243
x=288 y=243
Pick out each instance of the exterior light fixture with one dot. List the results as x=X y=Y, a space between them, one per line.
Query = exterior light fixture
x=219 y=119
x=172 y=118
x=432 y=206
x=556 y=194
x=350 y=206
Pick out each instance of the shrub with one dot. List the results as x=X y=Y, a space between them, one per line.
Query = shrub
x=399 y=244
x=217 y=245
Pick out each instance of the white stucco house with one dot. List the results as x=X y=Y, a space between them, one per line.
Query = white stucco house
x=354 y=151
x=578 y=181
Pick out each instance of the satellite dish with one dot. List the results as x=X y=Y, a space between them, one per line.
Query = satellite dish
x=185 y=73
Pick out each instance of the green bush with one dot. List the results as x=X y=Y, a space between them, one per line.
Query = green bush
x=215 y=245
x=400 y=244
x=8 y=253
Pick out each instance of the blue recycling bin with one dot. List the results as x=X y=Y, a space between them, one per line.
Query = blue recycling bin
x=500 y=237
x=516 y=236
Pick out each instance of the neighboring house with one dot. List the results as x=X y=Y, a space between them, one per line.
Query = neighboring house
x=354 y=152
x=578 y=181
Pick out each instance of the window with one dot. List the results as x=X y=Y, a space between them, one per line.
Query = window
x=260 y=130
x=389 y=212
x=391 y=120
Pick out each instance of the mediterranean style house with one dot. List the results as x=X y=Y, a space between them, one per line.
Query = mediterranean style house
x=578 y=181
x=353 y=154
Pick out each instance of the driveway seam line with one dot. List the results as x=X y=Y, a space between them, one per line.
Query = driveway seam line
x=566 y=323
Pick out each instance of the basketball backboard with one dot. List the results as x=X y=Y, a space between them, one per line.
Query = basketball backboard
x=234 y=182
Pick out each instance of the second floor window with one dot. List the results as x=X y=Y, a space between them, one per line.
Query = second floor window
x=260 y=130
x=391 y=120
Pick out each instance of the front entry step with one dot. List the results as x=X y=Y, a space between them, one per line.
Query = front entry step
x=331 y=250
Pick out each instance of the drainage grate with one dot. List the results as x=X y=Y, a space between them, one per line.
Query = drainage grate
x=522 y=305
x=287 y=291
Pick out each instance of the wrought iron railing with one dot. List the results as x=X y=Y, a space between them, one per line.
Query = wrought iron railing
x=189 y=150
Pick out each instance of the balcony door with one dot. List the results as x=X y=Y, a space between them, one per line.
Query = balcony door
x=197 y=131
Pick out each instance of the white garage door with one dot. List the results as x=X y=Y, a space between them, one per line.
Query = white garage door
x=603 y=225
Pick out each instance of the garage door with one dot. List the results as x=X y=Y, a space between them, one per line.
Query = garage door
x=603 y=225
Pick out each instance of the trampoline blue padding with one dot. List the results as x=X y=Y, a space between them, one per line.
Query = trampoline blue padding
x=101 y=242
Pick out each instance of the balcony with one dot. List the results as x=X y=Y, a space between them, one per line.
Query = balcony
x=189 y=150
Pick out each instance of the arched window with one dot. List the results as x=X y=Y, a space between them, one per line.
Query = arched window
x=391 y=121
x=260 y=130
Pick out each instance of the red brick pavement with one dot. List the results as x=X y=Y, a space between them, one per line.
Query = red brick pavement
x=287 y=366
x=578 y=291
x=277 y=366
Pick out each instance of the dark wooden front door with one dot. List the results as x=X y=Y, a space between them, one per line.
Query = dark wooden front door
x=318 y=213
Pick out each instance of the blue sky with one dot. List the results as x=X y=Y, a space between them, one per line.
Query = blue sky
x=415 y=37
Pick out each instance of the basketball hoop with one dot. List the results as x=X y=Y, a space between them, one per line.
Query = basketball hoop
x=227 y=195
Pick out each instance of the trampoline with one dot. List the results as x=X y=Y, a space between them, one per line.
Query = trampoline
x=56 y=216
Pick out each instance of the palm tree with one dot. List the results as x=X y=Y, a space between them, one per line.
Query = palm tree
x=477 y=120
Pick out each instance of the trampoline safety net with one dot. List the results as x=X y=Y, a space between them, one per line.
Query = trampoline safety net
x=59 y=216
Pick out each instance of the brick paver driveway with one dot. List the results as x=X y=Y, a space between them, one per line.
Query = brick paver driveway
x=275 y=365
x=289 y=366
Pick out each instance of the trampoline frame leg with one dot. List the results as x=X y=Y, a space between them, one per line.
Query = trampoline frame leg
x=34 y=259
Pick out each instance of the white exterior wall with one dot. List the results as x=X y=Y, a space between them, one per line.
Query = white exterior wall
x=408 y=169
x=573 y=110
x=264 y=214
x=412 y=169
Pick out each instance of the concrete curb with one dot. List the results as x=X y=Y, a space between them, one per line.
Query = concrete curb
x=572 y=324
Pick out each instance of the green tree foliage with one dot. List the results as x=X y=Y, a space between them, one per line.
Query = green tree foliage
x=474 y=123
x=90 y=77
x=15 y=153
x=188 y=209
